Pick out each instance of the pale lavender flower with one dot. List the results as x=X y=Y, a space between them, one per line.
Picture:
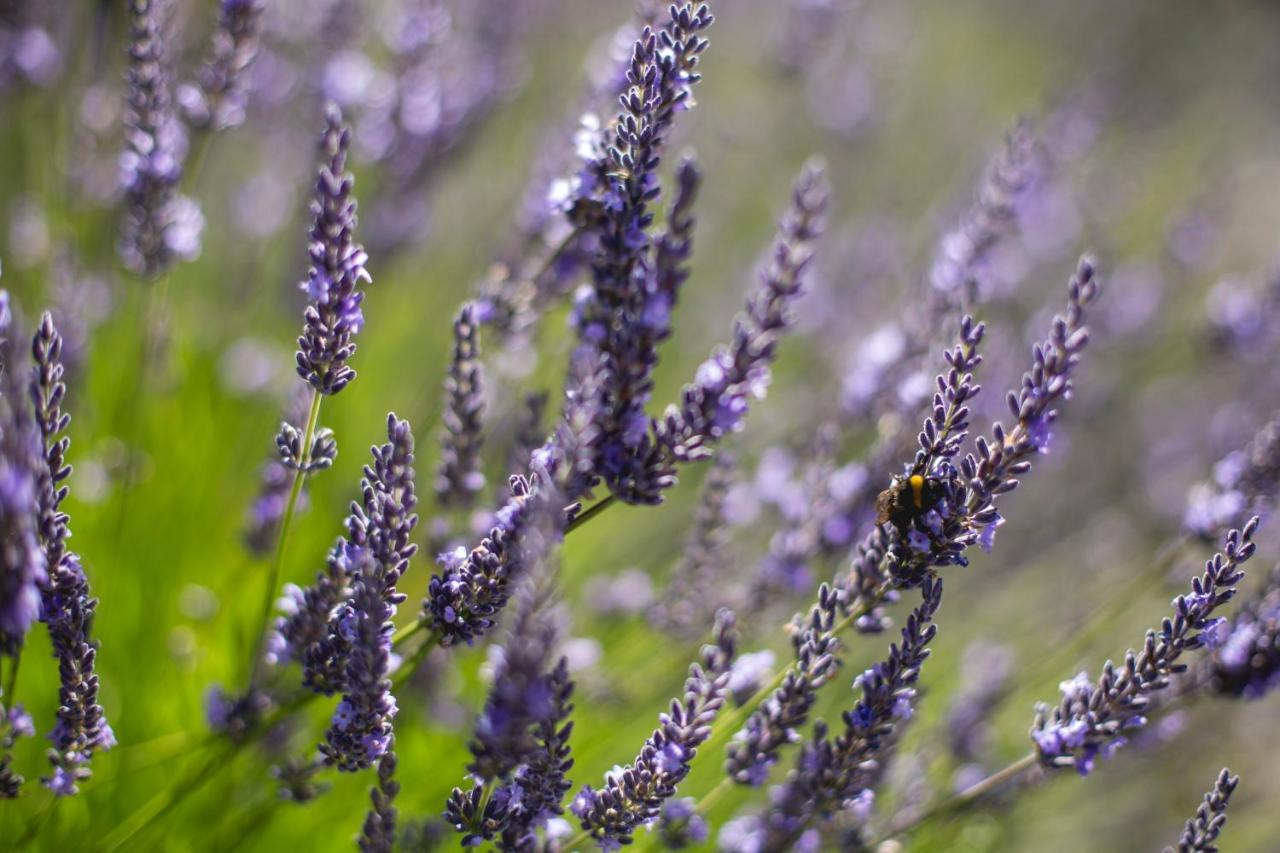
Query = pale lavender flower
x=160 y=225
x=717 y=401
x=460 y=477
x=695 y=589
x=1245 y=659
x=335 y=282
x=217 y=99
x=1245 y=484
x=680 y=825
x=1202 y=831
x=963 y=252
x=1093 y=720
x=984 y=674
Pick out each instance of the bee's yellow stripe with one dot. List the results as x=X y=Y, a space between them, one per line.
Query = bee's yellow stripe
x=917 y=490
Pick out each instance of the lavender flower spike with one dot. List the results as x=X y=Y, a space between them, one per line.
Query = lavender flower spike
x=361 y=729
x=380 y=527
x=776 y=721
x=159 y=225
x=378 y=834
x=1246 y=483
x=1091 y=718
x=634 y=796
x=831 y=775
x=717 y=401
x=697 y=581
x=23 y=570
x=67 y=607
x=520 y=746
x=460 y=478
x=217 y=101
x=1203 y=829
x=337 y=275
x=1246 y=664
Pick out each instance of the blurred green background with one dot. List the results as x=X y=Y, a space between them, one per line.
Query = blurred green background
x=907 y=102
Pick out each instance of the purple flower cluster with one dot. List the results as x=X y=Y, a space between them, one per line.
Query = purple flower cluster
x=335 y=282
x=1203 y=830
x=217 y=99
x=460 y=478
x=626 y=313
x=1092 y=719
x=1246 y=660
x=67 y=607
x=23 y=570
x=521 y=742
x=834 y=775
x=360 y=731
x=1245 y=484
x=717 y=401
x=633 y=796
x=776 y=721
x=966 y=513
x=160 y=225
x=464 y=600
x=267 y=510
x=379 y=528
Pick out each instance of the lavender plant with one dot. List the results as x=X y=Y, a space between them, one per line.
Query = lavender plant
x=608 y=226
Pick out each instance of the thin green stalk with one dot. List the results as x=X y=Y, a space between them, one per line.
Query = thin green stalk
x=1117 y=605
x=959 y=801
x=38 y=820
x=167 y=799
x=11 y=681
x=590 y=512
x=273 y=578
x=149 y=318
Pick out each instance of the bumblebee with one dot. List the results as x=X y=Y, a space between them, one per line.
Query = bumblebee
x=907 y=499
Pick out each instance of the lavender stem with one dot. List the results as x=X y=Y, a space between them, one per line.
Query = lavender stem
x=273 y=579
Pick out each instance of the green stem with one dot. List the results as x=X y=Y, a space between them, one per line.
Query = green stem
x=38 y=820
x=964 y=798
x=286 y=521
x=1117 y=605
x=590 y=512
x=11 y=682
x=161 y=803
x=132 y=428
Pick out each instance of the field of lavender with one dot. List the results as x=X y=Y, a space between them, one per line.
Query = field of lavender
x=811 y=424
